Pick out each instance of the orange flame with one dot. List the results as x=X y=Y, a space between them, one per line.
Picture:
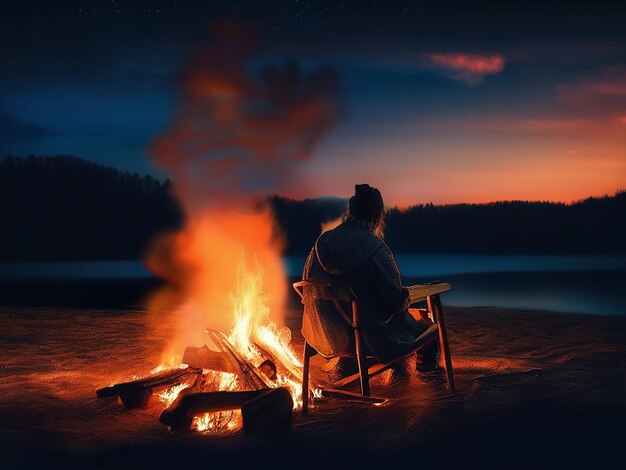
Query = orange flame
x=227 y=266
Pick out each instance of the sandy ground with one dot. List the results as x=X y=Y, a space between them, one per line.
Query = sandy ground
x=505 y=414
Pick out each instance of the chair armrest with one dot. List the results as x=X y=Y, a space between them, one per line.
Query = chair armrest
x=419 y=292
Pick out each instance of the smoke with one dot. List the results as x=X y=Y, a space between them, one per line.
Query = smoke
x=240 y=129
x=239 y=133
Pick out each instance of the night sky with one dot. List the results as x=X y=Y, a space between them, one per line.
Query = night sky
x=442 y=101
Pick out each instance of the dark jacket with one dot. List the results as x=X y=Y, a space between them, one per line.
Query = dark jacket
x=352 y=254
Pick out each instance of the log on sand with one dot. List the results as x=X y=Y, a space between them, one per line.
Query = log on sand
x=267 y=409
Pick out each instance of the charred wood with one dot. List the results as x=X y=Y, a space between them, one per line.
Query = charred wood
x=262 y=410
x=206 y=358
x=269 y=412
x=136 y=393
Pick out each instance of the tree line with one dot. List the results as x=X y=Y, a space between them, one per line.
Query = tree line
x=66 y=208
x=590 y=226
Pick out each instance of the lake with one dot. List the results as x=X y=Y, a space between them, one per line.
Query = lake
x=574 y=284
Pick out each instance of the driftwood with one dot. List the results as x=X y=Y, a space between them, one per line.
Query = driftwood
x=206 y=358
x=137 y=393
x=262 y=410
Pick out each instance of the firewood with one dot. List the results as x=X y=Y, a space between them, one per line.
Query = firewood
x=179 y=415
x=136 y=393
x=286 y=367
x=269 y=412
x=206 y=358
x=245 y=371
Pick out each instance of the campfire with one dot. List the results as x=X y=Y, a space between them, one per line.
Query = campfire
x=238 y=135
x=247 y=378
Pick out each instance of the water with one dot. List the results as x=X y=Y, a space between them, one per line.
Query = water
x=574 y=284
x=83 y=270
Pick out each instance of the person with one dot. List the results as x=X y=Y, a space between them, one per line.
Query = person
x=355 y=253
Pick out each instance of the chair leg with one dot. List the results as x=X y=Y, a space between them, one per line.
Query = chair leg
x=362 y=363
x=437 y=309
x=308 y=352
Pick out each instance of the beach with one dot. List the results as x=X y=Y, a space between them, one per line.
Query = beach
x=535 y=388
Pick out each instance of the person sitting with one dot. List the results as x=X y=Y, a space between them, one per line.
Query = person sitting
x=355 y=254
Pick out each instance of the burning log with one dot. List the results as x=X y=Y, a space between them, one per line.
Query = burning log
x=262 y=410
x=244 y=370
x=287 y=368
x=269 y=412
x=137 y=393
x=206 y=358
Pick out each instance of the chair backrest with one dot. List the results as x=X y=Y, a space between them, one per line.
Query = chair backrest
x=330 y=311
x=335 y=292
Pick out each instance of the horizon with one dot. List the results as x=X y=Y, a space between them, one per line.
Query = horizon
x=346 y=197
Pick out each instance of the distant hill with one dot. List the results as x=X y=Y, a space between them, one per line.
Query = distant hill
x=66 y=208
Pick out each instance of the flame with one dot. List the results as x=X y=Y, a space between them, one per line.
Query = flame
x=222 y=421
x=227 y=266
x=164 y=367
x=170 y=394
x=204 y=263
x=252 y=324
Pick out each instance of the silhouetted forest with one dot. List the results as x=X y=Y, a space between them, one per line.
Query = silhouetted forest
x=66 y=208
x=595 y=225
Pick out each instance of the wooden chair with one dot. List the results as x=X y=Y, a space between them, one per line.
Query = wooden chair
x=327 y=290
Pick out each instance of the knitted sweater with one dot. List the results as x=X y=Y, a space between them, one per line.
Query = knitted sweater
x=352 y=254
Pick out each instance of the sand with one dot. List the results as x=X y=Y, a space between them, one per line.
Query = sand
x=536 y=389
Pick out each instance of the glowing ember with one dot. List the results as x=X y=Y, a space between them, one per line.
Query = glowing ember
x=223 y=421
x=162 y=368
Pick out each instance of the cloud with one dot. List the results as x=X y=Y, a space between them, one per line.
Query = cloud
x=468 y=68
x=597 y=127
x=610 y=86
